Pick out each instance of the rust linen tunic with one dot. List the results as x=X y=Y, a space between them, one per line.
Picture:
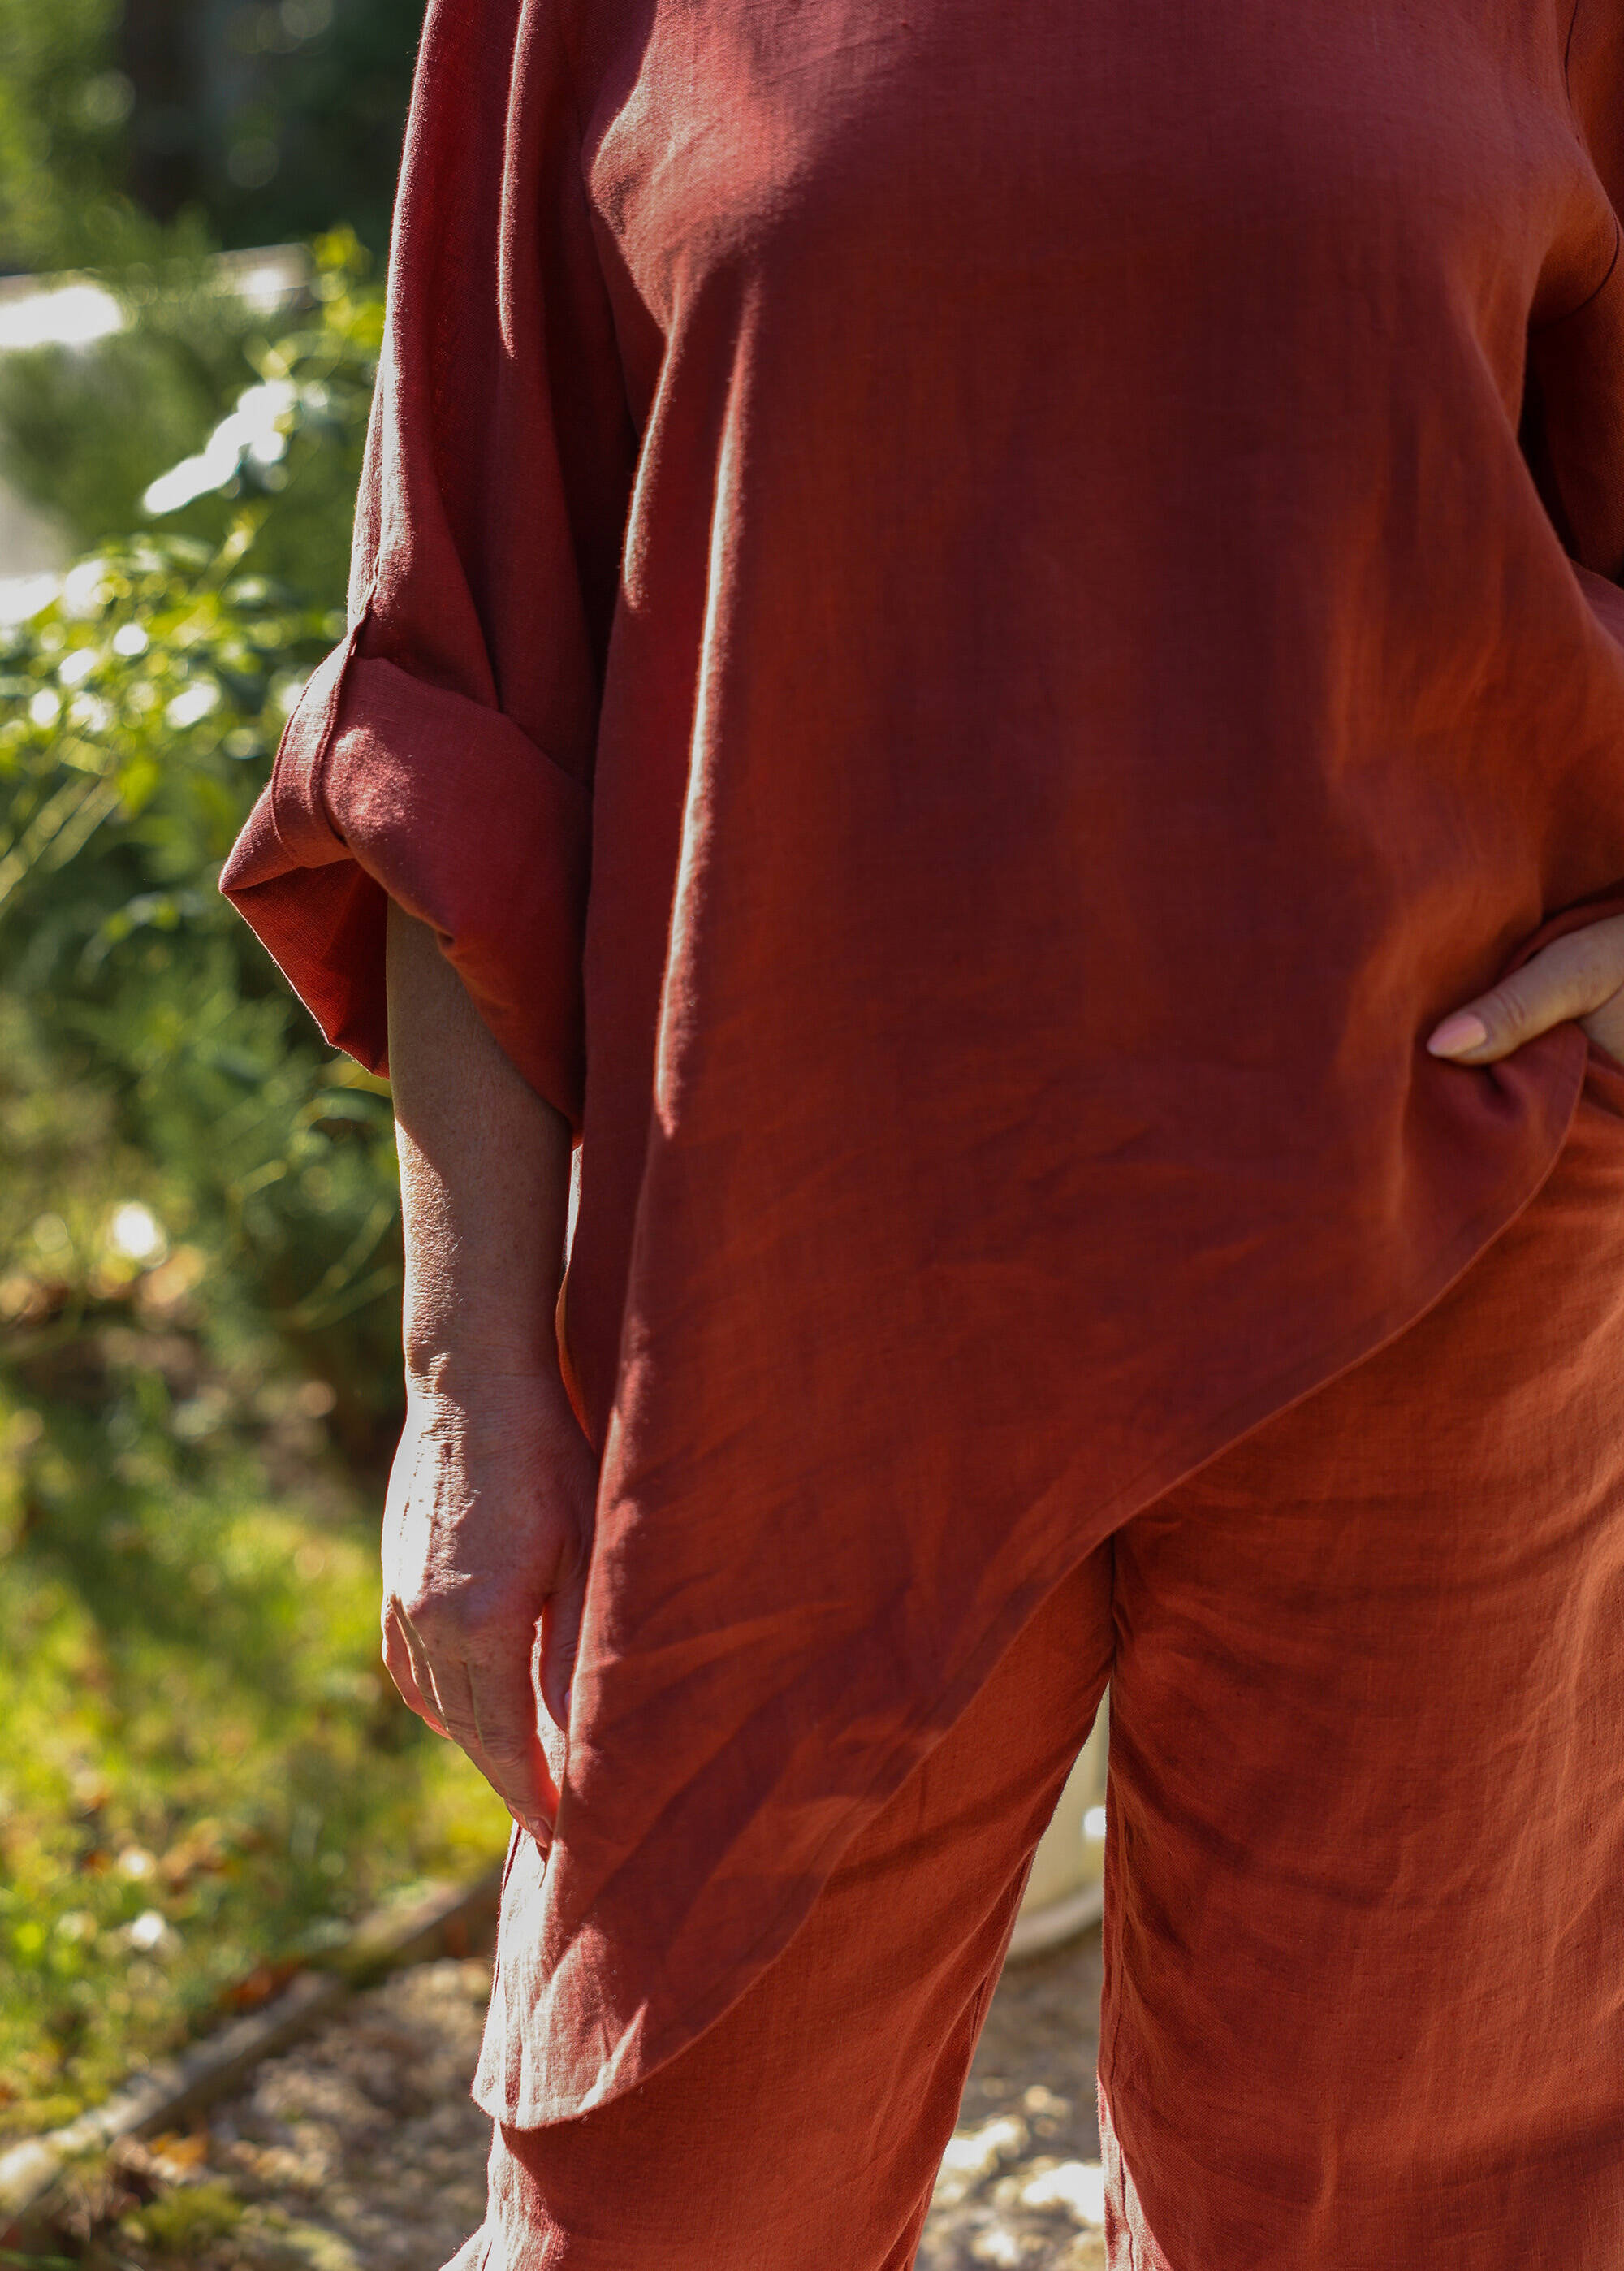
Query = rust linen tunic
x=967 y=621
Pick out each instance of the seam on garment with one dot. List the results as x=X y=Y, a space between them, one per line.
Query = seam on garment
x=1118 y=2189
x=326 y=733
x=321 y=762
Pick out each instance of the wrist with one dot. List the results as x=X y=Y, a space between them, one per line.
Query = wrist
x=470 y=1311
x=452 y=1370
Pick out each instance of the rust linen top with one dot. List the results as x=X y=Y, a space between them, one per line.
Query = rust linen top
x=967 y=620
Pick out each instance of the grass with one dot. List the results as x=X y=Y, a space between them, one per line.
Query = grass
x=206 y=1774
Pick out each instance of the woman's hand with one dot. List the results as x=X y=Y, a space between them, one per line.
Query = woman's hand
x=487 y=1537
x=1579 y=977
x=488 y=1529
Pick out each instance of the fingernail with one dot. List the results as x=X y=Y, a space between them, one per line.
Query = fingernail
x=1458 y=1035
x=568 y=1692
x=540 y=1832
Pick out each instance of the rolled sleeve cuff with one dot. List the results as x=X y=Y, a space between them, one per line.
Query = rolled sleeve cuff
x=387 y=788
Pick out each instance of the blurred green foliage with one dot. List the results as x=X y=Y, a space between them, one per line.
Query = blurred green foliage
x=204 y=1770
x=140 y=713
x=62 y=112
x=253 y=121
x=303 y=107
x=83 y=429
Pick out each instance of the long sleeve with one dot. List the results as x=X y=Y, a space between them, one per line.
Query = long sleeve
x=443 y=755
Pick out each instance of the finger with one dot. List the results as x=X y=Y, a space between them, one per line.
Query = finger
x=509 y=1754
x=1606 y=1028
x=423 y=1673
x=560 y=1643
x=446 y=1685
x=489 y=1711
x=499 y=1758
x=397 y=1662
x=1570 y=979
x=447 y=1682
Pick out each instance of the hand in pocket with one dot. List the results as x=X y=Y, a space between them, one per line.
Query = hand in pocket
x=1579 y=978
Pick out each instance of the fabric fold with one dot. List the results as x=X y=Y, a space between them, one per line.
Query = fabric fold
x=387 y=788
x=443 y=754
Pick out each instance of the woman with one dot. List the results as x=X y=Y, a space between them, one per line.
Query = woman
x=1051 y=568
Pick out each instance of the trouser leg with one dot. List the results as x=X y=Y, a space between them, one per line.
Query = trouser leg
x=1365 y=1880
x=803 y=2130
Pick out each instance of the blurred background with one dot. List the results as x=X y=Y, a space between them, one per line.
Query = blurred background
x=204 y=1776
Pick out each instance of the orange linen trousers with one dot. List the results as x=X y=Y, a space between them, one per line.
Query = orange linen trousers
x=1364 y=2004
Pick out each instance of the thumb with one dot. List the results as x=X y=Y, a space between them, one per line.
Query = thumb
x=560 y=1639
x=1568 y=978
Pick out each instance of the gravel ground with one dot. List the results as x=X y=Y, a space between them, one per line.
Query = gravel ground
x=361 y=2150
x=1019 y=2182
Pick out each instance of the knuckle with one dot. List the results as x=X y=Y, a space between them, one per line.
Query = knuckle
x=519 y=1793
x=1596 y=977
x=1574 y=975
x=461 y=1621
x=460 y=1726
x=509 y=1754
x=443 y=1622
x=1506 y=1012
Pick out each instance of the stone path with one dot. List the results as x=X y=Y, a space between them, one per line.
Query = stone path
x=1019 y=2182
x=361 y=2150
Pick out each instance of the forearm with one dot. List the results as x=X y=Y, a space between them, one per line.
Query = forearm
x=485 y=1180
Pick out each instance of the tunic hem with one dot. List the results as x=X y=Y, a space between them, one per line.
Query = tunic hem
x=638 y=2054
